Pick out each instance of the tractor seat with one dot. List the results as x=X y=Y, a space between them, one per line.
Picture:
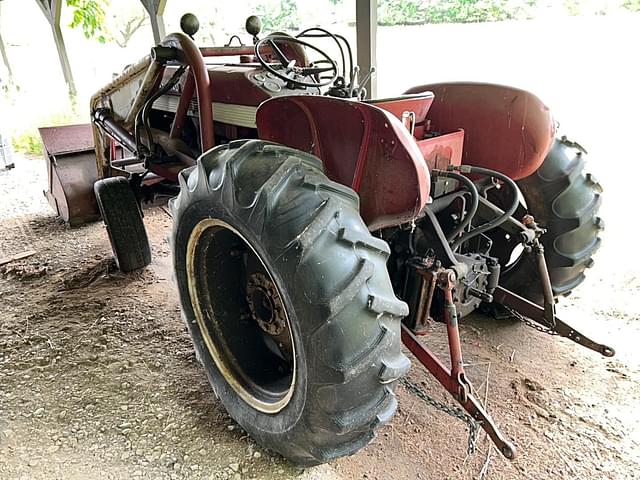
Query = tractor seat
x=361 y=145
x=418 y=103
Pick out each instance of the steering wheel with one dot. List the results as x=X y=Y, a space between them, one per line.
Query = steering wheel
x=287 y=70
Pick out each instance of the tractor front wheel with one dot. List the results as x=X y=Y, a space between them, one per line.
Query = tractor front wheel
x=288 y=301
x=120 y=211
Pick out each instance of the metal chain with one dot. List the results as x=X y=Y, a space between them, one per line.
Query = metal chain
x=473 y=426
x=531 y=323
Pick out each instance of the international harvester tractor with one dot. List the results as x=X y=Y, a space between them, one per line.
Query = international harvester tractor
x=316 y=230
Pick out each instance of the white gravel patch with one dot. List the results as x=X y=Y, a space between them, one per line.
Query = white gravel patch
x=22 y=188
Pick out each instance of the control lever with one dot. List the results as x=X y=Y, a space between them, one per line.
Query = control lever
x=366 y=78
x=353 y=80
x=364 y=81
x=355 y=85
x=253 y=25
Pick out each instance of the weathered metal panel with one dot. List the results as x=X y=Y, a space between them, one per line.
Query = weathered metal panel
x=361 y=146
x=71 y=169
x=67 y=139
x=506 y=129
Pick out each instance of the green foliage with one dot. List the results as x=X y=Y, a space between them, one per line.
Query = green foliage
x=401 y=12
x=89 y=15
x=279 y=15
x=572 y=7
x=29 y=141
x=631 y=5
x=407 y=12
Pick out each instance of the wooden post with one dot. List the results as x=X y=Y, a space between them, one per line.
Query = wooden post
x=3 y=51
x=155 y=9
x=366 y=31
x=51 y=10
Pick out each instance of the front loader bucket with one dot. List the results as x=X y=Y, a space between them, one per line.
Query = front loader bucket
x=71 y=170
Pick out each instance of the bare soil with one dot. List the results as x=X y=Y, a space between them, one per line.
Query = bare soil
x=98 y=378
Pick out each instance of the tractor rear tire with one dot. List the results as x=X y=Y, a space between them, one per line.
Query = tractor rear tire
x=565 y=201
x=122 y=216
x=310 y=372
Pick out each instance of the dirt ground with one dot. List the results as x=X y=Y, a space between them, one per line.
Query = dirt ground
x=98 y=378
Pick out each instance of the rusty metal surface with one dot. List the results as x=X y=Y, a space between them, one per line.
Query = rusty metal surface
x=446 y=283
x=154 y=70
x=452 y=379
x=431 y=362
x=67 y=139
x=425 y=299
x=71 y=179
x=534 y=316
x=101 y=99
x=71 y=171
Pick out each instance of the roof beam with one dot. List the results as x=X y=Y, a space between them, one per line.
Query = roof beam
x=366 y=31
x=3 y=52
x=52 y=10
x=155 y=9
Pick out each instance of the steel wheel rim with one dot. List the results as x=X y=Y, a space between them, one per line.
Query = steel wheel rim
x=252 y=370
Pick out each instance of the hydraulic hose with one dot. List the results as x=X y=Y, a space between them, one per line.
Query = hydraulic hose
x=142 y=119
x=498 y=220
x=474 y=200
x=104 y=118
x=326 y=33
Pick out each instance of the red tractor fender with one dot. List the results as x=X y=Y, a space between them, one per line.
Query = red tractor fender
x=361 y=146
x=505 y=129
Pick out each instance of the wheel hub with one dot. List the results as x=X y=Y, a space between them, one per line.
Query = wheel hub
x=241 y=316
x=265 y=304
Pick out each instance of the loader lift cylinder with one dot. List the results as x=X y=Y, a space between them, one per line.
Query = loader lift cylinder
x=104 y=118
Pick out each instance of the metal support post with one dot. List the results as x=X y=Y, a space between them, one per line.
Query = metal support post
x=366 y=31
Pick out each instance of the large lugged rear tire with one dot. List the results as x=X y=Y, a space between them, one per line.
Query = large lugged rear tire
x=252 y=206
x=121 y=214
x=564 y=200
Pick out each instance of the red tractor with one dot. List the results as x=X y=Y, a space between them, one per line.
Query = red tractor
x=316 y=230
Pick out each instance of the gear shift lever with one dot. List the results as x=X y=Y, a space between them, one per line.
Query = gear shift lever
x=253 y=25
